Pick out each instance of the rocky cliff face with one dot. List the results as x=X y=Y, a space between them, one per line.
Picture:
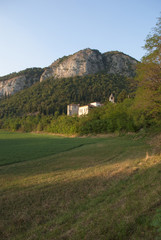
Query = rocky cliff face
x=119 y=63
x=12 y=83
x=81 y=63
x=90 y=61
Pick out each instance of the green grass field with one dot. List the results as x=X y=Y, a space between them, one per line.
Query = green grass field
x=20 y=147
x=56 y=188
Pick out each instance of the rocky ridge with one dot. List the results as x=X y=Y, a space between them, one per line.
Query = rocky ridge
x=90 y=61
x=119 y=63
x=81 y=63
x=84 y=62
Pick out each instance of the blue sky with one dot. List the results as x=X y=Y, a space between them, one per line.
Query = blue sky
x=34 y=33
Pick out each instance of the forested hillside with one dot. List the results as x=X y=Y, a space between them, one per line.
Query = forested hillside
x=53 y=95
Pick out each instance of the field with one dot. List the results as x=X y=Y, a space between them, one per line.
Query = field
x=93 y=188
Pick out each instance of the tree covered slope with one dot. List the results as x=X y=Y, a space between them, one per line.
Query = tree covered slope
x=53 y=95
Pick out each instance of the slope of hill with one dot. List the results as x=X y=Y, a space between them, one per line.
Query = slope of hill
x=53 y=95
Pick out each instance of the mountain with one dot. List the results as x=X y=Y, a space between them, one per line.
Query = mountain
x=89 y=61
x=84 y=62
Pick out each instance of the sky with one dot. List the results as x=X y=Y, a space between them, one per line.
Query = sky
x=34 y=33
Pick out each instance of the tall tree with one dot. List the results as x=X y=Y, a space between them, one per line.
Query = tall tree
x=148 y=96
x=149 y=70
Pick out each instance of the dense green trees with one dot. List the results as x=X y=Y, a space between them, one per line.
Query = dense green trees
x=122 y=95
x=53 y=95
x=108 y=118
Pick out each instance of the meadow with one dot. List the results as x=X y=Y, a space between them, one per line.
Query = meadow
x=91 y=188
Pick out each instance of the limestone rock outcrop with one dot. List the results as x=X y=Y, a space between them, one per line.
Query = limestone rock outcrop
x=11 y=86
x=14 y=82
x=90 y=61
x=119 y=63
x=81 y=63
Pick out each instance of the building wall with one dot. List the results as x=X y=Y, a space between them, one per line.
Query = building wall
x=111 y=98
x=96 y=104
x=75 y=109
x=72 y=109
x=83 y=110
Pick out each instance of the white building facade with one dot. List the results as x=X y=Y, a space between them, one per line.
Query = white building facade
x=72 y=109
x=75 y=109
x=83 y=110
